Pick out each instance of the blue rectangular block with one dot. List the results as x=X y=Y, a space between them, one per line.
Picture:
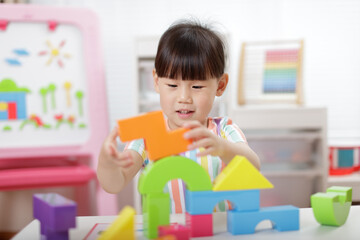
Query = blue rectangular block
x=203 y=202
x=283 y=218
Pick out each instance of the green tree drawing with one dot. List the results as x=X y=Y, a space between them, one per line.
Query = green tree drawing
x=79 y=96
x=52 y=89
x=43 y=92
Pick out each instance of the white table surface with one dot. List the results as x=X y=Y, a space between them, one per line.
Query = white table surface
x=309 y=228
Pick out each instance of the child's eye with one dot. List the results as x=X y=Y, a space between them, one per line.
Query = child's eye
x=198 y=87
x=172 y=85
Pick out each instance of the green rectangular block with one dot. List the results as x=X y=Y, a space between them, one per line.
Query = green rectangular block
x=156 y=212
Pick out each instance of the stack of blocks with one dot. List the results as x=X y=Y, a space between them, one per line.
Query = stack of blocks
x=56 y=215
x=239 y=182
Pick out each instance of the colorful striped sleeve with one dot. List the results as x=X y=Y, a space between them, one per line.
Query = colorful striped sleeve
x=138 y=146
x=230 y=131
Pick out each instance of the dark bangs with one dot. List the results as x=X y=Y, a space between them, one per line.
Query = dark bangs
x=189 y=51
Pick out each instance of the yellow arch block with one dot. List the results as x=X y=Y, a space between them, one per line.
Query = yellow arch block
x=123 y=226
x=240 y=174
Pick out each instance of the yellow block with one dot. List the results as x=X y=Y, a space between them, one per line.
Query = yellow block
x=240 y=174
x=122 y=227
x=3 y=106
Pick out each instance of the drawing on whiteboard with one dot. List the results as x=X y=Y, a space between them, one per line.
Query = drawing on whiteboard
x=55 y=53
x=67 y=86
x=14 y=61
x=61 y=120
x=79 y=96
x=35 y=121
x=12 y=100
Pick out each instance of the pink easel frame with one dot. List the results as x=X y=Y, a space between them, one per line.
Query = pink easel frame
x=86 y=21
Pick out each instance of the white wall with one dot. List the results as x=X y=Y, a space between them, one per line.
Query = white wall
x=331 y=29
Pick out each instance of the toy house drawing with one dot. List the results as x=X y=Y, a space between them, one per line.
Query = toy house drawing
x=12 y=100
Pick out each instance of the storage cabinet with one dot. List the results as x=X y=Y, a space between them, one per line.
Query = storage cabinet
x=291 y=142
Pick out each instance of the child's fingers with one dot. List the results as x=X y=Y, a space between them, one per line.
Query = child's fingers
x=124 y=160
x=197 y=133
x=124 y=155
x=113 y=134
x=112 y=150
x=207 y=151
x=191 y=124
x=202 y=143
x=125 y=163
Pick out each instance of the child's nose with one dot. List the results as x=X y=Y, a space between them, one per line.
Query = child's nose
x=185 y=96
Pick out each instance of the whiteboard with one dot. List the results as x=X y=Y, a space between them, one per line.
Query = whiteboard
x=43 y=90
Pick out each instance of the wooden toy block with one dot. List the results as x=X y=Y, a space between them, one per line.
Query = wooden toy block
x=283 y=218
x=203 y=202
x=151 y=127
x=179 y=231
x=240 y=174
x=122 y=227
x=55 y=212
x=157 y=174
x=199 y=225
x=332 y=208
x=156 y=212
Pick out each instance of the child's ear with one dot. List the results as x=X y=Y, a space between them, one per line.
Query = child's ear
x=156 y=80
x=222 y=84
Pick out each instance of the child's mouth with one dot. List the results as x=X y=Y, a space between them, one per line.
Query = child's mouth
x=183 y=114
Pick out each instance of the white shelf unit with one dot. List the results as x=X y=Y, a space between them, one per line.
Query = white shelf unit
x=147 y=98
x=291 y=142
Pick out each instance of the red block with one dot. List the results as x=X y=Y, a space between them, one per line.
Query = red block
x=200 y=225
x=179 y=231
x=12 y=111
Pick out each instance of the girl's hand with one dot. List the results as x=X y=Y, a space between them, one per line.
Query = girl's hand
x=203 y=138
x=111 y=156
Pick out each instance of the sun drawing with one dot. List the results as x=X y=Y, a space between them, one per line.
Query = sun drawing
x=55 y=53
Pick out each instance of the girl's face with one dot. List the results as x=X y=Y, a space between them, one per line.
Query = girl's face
x=182 y=101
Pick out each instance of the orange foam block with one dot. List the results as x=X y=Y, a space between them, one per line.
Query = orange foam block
x=151 y=127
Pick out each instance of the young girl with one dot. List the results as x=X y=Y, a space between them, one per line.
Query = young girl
x=188 y=74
